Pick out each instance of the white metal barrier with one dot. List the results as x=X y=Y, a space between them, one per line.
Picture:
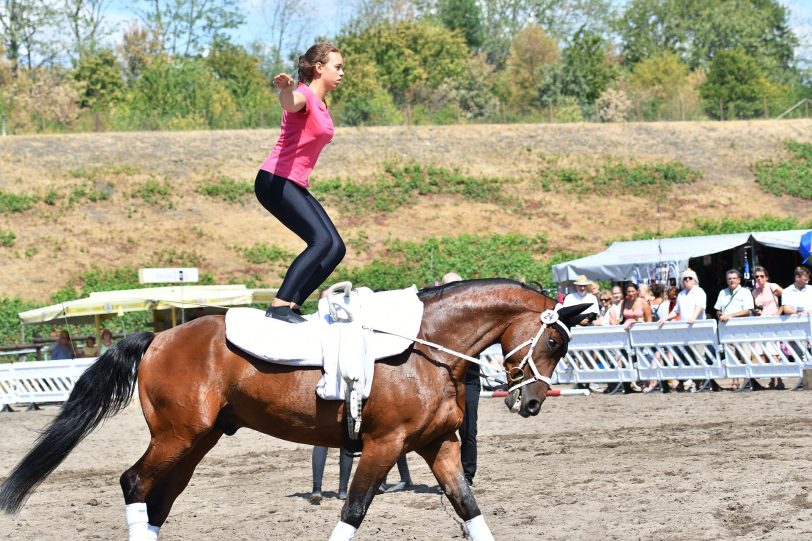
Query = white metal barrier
x=677 y=350
x=40 y=381
x=597 y=354
x=766 y=347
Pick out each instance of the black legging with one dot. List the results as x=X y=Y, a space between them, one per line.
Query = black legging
x=301 y=213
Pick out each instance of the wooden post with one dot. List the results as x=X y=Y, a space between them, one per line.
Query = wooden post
x=41 y=121
x=766 y=110
x=550 y=108
x=261 y=118
x=806 y=108
x=97 y=121
x=721 y=109
x=807 y=379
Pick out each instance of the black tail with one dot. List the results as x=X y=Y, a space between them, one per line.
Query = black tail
x=102 y=391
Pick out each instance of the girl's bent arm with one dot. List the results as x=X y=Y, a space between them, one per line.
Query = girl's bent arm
x=289 y=100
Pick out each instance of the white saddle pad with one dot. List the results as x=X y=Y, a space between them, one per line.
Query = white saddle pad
x=339 y=347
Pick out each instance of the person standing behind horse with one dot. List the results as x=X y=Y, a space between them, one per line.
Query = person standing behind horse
x=282 y=183
x=468 y=428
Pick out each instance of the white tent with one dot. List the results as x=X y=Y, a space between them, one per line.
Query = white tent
x=112 y=303
x=657 y=259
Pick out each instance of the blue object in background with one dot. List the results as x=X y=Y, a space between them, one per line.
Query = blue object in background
x=806 y=245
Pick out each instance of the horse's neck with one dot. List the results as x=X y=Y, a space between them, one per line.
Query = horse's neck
x=470 y=321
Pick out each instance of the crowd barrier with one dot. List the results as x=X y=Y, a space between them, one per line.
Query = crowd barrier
x=760 y=347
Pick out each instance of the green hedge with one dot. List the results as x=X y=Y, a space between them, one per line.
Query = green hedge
x=789 y=176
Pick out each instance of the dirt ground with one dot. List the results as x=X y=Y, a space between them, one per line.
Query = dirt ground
x=666 y=467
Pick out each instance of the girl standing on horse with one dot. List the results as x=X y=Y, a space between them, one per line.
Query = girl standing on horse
x=282 y=183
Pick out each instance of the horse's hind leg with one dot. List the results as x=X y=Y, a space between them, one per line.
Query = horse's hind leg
x=443 y=457
x=152 y=484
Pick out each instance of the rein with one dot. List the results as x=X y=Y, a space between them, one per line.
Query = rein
x=548 y=318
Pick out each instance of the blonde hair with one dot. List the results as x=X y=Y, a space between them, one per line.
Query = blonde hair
x=317 y=54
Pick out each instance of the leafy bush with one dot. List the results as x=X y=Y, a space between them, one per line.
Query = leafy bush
x=612 y=177
x=9 y=321
x=227 y=189
x=12 y=202
x=790 y=176
x=7 y=238
x=402 y=184
x=155 y=193
x=263 y=253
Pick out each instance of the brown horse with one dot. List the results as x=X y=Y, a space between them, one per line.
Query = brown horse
x=194 y=387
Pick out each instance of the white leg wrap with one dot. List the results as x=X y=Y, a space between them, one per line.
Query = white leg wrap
x=478 y=530
x=138 y=523
x=343 y=532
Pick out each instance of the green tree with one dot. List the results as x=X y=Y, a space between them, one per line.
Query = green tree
x=408 y=55
x=736 y=81
x=696 y=30
x=181 y=92
x=465 y=16
x=589 y=68
x=663 y=86
x=241 y=74
x=100 y=80
x=361 y=100
x=531 y=55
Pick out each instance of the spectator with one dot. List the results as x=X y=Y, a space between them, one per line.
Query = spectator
x=595 y=288
x=690 y=307
x=318 y=459
x=106 y=341
x=797 y=298
x=765 y=297
x=62 y=348
x=691 y=301
x=90 y=349
x=735 y=301
x=582 y=295
x=656 y=301
x=468 y=428
x=668 y=304
x=634 y=308
x=605 y=313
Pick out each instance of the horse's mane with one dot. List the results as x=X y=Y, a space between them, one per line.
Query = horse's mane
x=432 y=293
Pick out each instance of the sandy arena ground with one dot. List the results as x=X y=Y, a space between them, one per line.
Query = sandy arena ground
x=666 y=467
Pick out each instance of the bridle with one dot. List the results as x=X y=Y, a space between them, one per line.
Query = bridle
x=549 y=318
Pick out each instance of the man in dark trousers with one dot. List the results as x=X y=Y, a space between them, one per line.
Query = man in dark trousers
x=469 y=420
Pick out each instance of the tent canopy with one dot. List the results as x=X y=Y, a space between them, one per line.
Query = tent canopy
x=642 y=260
x=111 y=303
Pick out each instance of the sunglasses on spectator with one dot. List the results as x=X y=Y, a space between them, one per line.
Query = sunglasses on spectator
x=686 y=278
x=760 y=276
x=605 y=300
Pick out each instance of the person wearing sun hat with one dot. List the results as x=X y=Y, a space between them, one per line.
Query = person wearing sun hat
x=582 y=295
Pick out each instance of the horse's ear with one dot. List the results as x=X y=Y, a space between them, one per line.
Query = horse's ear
x=573 y=315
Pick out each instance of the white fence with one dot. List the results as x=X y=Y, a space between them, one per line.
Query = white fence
x=39 y=381
x=745 y=347
x=740 y=348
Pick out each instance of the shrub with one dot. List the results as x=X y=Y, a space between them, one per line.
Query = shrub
x=7 y=238
x=788 y=176
x=12 y=202
x=227 y=189
x=155 y=193
x=261 y=253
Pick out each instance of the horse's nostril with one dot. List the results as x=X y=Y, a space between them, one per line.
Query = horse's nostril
x=533 y=407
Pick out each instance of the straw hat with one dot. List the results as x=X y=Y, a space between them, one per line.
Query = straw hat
x=582 y=280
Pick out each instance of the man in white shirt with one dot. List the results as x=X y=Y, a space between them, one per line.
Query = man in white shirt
x=797 y=298
x=691 y=301
x=735 y=300
x=582 y=295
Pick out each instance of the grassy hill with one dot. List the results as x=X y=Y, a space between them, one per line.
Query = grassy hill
x=70 y=203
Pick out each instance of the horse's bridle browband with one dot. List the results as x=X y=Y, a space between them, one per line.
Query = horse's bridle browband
x=548 y=318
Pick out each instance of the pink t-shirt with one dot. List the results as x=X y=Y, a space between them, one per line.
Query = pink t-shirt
x=767 y=299
x=304 y=135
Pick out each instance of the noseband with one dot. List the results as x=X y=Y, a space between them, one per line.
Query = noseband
x=548 y=318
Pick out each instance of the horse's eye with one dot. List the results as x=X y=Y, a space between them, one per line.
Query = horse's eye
x=551 y=343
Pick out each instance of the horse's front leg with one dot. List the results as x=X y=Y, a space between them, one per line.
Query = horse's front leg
x=376 y=461
x=443 y=457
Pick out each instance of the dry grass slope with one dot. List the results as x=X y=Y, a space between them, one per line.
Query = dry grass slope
x=152 y=211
